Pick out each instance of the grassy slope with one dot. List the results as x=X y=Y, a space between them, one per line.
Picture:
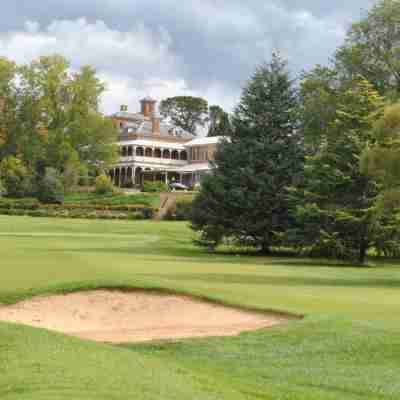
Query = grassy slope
x=348 y=348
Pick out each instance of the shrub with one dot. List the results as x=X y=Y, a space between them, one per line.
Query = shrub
x=182 y=211
x=136 y=215
x=51 y=188
x=155 y=187
x=104 y=185
x=16 y=178
x=2 y=189
x=21 y=204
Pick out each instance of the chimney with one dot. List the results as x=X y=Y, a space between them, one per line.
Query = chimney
x=148 y=106
x=155 y=125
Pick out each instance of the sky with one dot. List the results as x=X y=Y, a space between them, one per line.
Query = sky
x=165 y=48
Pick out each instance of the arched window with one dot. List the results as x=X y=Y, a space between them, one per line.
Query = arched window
x=157 y=153
x=166 y=154
x=149 y=152
x=184 y=155
x=175 y=155
x=139 y=151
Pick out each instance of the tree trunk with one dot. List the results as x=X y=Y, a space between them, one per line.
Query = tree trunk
x=265 y=249
x=362 y=252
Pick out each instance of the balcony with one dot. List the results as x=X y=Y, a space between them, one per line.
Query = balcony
x=168 y=162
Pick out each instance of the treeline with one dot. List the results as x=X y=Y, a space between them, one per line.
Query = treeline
x=313 y=165
x=52 y=135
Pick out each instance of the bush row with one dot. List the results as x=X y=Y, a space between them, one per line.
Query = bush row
x=34 y=204
x=79 y=213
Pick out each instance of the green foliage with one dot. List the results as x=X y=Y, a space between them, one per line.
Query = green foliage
x=16 y=177
x=51 y=188
x=51 y=119
x=185 y=111
x=104 y=185
x=116 y=199
x=183 y=210
x=335 y=204
x=155 y=187
x=219 y=122
x=381 y=159
x=372 y=49
x=245 y=199
x=3 y=190
x=320 y=91
x=33 y=208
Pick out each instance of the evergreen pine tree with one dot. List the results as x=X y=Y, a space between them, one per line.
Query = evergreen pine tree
x=245 y=199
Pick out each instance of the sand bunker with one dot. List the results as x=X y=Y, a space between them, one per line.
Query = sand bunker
x=120 y=317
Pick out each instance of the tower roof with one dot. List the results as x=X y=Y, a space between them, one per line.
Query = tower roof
x=148 y=99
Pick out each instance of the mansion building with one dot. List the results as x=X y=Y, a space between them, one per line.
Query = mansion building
x=155 y=150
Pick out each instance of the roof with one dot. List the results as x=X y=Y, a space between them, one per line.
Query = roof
x=148 y=99
x=203 y=141
x=139 y=124
x=128 y=115
x=195 y=167
x=151 y=143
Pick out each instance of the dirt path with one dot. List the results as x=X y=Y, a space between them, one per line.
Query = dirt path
x=167 y=203
x=119 y=317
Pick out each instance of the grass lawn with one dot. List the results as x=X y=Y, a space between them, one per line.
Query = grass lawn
x=347 y=347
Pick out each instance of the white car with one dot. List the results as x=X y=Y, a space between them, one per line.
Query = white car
x=177 y=186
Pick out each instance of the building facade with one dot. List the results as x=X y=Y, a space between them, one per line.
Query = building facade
x=154 y=150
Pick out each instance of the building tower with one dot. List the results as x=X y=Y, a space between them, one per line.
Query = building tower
x=148 y=106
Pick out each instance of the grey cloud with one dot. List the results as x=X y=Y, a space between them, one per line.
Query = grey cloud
x=207 y=43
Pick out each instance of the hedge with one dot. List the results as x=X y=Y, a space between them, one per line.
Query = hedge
x=182 y=211
x=32 y=207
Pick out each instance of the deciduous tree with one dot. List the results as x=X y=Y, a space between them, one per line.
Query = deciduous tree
x=372 y=48
x=186 y=112
x=219 y=122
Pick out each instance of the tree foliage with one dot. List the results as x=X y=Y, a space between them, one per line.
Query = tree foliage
x=50 y=118
x=187 y=112
x=319 y=97
x=245 y=200
x=381 y=159
x=219 y=122
x=335 y=212
x=51 y=188
x=372 y=48
x=16 y=178
x=104 y=185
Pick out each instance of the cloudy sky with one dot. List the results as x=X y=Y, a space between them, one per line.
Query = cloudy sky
x=168 y=47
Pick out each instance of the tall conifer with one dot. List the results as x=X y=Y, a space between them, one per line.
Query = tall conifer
x=245 y=199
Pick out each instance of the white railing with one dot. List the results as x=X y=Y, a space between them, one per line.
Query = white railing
x=154 y=160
